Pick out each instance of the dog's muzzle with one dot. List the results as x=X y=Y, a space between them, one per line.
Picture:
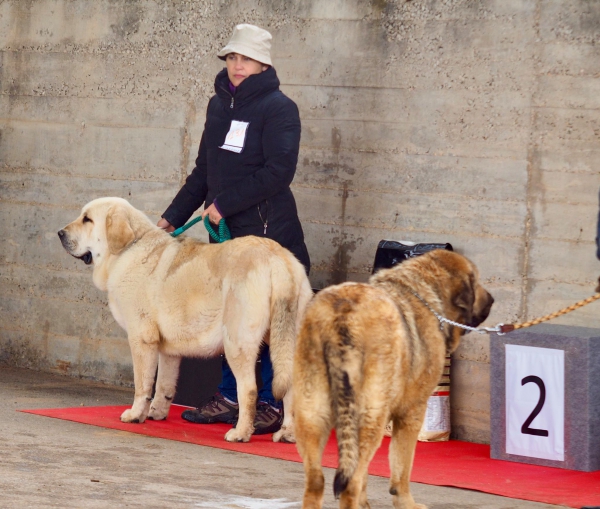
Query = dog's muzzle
x=87 y=258
x=64 y=239
x=484 y=313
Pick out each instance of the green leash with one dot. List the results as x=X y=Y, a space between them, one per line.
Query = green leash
x=222 y=236
x=224 y=233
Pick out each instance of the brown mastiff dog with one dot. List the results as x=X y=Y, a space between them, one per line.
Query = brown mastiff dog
x=368 y=353
x=180 y=297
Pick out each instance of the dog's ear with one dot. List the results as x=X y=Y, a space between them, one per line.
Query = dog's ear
x=119 y=233
x=464 y=298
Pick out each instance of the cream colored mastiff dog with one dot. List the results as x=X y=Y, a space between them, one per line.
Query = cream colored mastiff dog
x=180 y=297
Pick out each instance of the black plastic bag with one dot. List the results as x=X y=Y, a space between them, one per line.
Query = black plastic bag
x=392 y=252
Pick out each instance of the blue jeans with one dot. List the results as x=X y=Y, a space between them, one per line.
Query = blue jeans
x=228 y=386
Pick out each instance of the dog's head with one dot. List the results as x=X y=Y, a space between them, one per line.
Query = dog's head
x=104 y=227
x=469 y=300
x=450 y=283
x=466 y=299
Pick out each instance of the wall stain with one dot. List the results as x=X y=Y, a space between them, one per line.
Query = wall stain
x=328 y=174
x=23 y=354
x=378 y=6
x=336 y=140
x=63 y=366
x=341 y=258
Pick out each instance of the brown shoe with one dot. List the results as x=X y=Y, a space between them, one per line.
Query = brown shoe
x=216 y=409
x=267 y=419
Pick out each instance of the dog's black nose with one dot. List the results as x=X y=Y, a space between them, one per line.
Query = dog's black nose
x=61 y=233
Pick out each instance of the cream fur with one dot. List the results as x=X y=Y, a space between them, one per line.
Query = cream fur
x=179 y=297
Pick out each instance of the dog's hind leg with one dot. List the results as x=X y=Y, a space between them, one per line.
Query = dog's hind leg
x=166 y=383
x=243 y=366
x=405 y=431
x=286 y=433
x=144 y=353
x=312 y=435
x=313 y=422
x=370 y=436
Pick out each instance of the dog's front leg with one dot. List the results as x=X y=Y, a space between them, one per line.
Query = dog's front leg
x=405 y=431
x=166 y=383
x=145 y=359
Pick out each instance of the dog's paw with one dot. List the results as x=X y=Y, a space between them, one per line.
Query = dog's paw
x=129 y=416
x=284 y=435
x=157 y=414
x=234 y=435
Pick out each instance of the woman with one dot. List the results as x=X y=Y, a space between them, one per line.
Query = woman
x=245 y=165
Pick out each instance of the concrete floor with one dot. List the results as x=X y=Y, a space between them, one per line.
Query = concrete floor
x=52 y=463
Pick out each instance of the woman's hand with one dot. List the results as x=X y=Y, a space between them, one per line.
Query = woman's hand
x=214 y=216
x=165 y=225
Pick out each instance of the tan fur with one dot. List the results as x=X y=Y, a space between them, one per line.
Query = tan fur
x=179 y=297
x=368 y=353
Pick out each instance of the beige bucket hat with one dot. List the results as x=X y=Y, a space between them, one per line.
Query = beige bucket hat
x=250 y=41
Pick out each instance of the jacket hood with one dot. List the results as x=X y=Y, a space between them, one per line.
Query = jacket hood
x=254 y=86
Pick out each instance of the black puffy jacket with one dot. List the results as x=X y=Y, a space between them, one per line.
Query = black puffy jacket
x=252 y=188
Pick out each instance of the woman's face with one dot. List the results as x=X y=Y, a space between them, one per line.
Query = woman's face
x=240 y=67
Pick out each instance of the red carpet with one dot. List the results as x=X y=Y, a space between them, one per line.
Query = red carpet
x=453 y=463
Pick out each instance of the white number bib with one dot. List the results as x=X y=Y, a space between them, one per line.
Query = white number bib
x=236 y=137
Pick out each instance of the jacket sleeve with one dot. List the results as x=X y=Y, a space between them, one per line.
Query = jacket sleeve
x=192 y=194
x=280 y=143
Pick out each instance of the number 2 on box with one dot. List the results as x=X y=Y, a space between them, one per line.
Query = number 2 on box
x=525 y=429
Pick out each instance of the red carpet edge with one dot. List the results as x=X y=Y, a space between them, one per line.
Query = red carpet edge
x=454 y=463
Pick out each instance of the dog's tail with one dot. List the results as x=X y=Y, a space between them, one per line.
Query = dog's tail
x=290 y=294
x=343 y=362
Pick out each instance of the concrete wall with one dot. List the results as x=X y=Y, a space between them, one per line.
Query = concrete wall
x=470 y=122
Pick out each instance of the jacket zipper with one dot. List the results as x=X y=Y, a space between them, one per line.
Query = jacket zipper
x=266 y=219
x=232 y=99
